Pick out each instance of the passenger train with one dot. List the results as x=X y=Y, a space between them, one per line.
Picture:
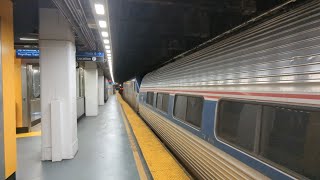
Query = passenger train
x=245 y=107
x=131 y=92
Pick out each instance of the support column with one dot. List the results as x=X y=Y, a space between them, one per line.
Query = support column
x=91 y=88
x=8 y=156
x=58 y=86
x=101 y=90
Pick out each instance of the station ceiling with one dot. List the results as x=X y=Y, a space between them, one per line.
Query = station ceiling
x=147 y=33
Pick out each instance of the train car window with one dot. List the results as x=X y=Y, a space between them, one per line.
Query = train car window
x=290 y=137
x=162 y=102
x=237 y=123
x=149 y=99
x=189 y=109
x=194 y=111
x=180 y=107
x=165 y=102
x=159 y=101
x=282 y=135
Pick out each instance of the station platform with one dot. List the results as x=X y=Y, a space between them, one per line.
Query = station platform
x=116 y=144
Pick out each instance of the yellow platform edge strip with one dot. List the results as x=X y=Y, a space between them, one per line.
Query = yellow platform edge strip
x=30 y=134
x=161 y=163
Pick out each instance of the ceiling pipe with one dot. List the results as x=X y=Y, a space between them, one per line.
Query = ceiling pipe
x=74 y=13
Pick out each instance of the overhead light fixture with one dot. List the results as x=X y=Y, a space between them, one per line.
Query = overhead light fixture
x=103 y=24
x=110 y=69
x=104 y=28
x=104 y=34
x=99 y=9
x=106 y=41
x=28 y=39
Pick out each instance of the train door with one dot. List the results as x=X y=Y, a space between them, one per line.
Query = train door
x=2 y=173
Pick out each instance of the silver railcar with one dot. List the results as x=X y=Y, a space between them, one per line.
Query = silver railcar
x=247 y=106
x=130 y=93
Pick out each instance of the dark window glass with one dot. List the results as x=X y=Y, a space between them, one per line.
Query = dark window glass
x=159 y=101
x=291 y=137
x=165 y=102
x=285 y=135
x=237 y=123
x=189 y=109
x=149 y=99
x=194 y=111
x=180 y=107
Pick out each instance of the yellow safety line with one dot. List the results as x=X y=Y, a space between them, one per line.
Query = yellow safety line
x=136 y=155
x=160 y=162
x=29 y=134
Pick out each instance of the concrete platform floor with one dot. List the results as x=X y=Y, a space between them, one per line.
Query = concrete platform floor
x=104 y=151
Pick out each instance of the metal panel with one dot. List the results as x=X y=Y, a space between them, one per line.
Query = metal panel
x=29 y=94
x=2 y=163
x=129 y=93
x=283 y=50
x=24 y=95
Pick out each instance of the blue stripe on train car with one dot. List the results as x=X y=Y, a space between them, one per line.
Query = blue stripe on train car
x=210 y=115
x=206 y=133
x=255 y=164
x=208 y=126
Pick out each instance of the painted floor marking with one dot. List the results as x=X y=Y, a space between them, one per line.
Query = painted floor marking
x=29 y=134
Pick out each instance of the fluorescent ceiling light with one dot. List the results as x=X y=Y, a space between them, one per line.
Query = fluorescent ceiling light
x=109 y=55
x=28 y=39
x=110 y=69
x=104 y=34
x=106 y=41
x=99 y=9
x=108 y=51
x=107 y=47
x=103 y=24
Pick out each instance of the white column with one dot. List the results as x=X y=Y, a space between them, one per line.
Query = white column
x=101 y=90
x=91 y=88
x=58 y=86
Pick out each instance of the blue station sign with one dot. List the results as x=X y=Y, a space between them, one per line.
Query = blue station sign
x=90 y=56
x=27 y=53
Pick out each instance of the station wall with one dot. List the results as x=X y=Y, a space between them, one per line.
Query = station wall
x=9 y=114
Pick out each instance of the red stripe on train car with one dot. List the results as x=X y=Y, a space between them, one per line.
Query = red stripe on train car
x=296 y=96
x=214 y=97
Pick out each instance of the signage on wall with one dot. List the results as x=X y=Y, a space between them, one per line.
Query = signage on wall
x=90 y=56
x=27 y=53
